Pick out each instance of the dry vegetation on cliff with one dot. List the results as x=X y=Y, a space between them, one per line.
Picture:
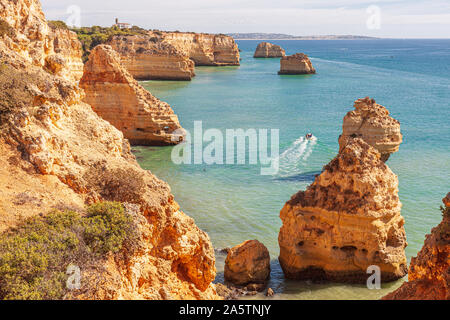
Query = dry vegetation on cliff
x=35 y=255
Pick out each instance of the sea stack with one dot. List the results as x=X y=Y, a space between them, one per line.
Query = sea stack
x=269 y=50
x=298 y=63
x=372 y=123
x=118 y=98
x=429 y=272
x=346 y=221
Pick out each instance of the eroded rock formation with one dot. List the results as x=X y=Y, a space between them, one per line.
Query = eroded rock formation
x=429 y=272
x=205 y=49
x=372 y=123
x=56 y=151
x=269 y=50
x=298 y=63
x=346 y=221
x=173 y=55
x=118 y=98
x=150 y=58
x=248 y=263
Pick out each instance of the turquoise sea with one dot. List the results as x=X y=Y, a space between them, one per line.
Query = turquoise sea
x=234 y=203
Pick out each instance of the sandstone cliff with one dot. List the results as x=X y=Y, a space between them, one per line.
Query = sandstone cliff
x=56 y=151
x=346 y=221
x=118 y=98
x=57 y=50
x=149 y=58
x=269 y=50
x=205 y=49
x=298 y=63
x=173 y=55
x=429 y=272
x=372 y=123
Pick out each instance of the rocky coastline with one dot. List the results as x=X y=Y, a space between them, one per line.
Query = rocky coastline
x=298 y=63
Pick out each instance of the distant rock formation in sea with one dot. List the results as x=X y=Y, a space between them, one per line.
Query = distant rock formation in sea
x=371 y=122
x=118 y=98
x=173 y=55
x=347 y=220
x=429 y=271
x=282 y=36
x=298 y=63
x=56 y=147
x=269 y=50
x=248 y=263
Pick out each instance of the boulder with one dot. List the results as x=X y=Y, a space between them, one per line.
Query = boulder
x=248 y=263
x=347 y=220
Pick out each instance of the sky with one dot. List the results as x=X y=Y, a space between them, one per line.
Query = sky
x=379 y=18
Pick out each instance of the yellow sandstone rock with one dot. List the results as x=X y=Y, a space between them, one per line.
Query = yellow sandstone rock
x=269 y=50
x=248 y=263
x=429 y=272
x=119 y=99
x=372 y=123
x=298 y=63
x=55 y=151
x=346 y=221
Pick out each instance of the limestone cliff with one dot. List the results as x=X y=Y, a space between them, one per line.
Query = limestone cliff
x=346 y=221
x=118 y=98
x=371 y=122
x=173 y=55
x=57 y=50
x=269 y=50
x=429 y=272
x=205 y=49
x=298 y=63
x=150 y=58
x=56 y=151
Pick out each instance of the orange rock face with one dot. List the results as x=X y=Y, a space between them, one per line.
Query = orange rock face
x=269 y=50
x=298 y=63
x=248 y=263
x=205 y=49
x=118 y=98
x=173 y=55
x=429 y=272
x=55 y=152
x=150 y=58
x=372 y=123
x=59 y=51
x=346 y=221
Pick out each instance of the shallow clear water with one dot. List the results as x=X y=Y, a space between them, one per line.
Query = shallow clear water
x=235 y=203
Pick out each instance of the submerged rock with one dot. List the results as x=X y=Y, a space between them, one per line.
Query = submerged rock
x=346 y=221
x=248 y=263
x=118 y=98
x=269 y=50
x=298 y=63
x=372 y=123
x=429 y=272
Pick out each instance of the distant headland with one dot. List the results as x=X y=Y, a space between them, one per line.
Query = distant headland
x=281 y=36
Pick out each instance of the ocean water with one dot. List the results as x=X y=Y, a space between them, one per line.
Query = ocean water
x=234 y=203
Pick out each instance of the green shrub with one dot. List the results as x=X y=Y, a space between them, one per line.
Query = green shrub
x=57 y=24
x=90 y=37
x=34 y=256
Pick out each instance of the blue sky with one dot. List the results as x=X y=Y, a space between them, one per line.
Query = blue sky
x=396 y=18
